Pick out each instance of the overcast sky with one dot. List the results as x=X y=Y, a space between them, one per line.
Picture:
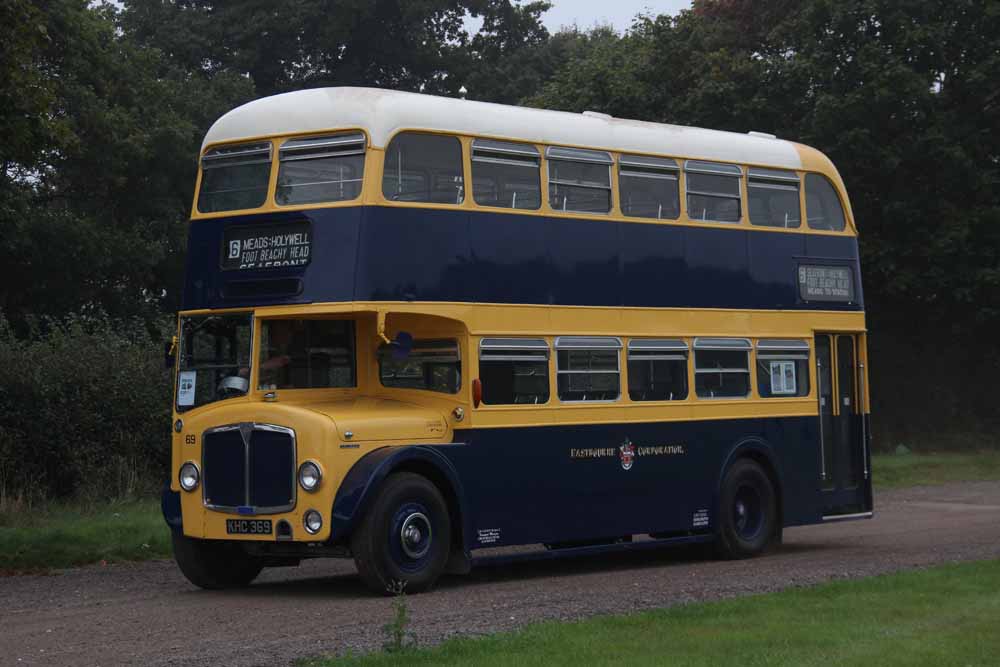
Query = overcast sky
x=619 y=13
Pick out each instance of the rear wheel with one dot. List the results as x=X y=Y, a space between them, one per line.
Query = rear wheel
x=404 y=537
x=213 y=564
x=747 y=511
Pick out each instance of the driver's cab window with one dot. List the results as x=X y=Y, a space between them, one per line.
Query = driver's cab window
x=306 y=354
x=434 y=365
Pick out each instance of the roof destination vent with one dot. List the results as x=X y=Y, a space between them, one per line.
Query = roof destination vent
x=762 y=135
x=598 y=114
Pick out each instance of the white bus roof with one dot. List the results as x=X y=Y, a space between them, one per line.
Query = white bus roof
x=383 y=112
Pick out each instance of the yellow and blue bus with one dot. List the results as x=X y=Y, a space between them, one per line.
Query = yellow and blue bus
x=416 y=328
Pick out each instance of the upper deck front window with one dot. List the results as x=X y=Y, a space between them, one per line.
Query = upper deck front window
x=423 y=167
x=320 y=169
x=234 y=177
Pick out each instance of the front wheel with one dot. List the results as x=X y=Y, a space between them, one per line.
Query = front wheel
x=405 y=536
x=747 y=511
x=212 y=564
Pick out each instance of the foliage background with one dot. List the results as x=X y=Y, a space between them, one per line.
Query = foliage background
x=103 y=107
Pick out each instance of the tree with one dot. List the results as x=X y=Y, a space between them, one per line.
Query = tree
x=397 y=44
x=95 y=192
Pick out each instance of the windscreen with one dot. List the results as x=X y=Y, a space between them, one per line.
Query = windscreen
x=214 y=359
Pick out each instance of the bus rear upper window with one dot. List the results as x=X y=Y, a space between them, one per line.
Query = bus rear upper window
x=823 y=209
x=713 y=191
x=587 y=368
x=648 y=187
x=657 y=370
x=579 y=180
x=320 y=169
x=234 y=177
x=434 y=365
x=506 y=174
x=514 y=371
x=782 y=368
x=722 y=367
x=774 y=198
x=423 y=168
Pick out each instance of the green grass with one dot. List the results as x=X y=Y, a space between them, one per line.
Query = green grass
x=59 y=536
x=892 y=471
x=943 y=616
x=63 y=535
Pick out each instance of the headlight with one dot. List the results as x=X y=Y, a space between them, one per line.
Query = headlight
x=312 y=521
x=189 y=476
x=310 y=476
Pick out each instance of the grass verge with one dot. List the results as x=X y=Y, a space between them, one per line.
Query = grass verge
x=66 y=535
x=892 y=471
x=943 y=616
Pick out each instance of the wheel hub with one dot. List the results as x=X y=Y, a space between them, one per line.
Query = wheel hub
x=415 y=535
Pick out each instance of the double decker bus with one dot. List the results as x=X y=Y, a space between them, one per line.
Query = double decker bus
x=415 y=328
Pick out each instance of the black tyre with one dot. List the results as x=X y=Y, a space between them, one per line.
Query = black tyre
x=212 y=564
x=747 y=511
x=404 y=537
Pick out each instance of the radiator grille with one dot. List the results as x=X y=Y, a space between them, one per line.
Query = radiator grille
x=249 y=468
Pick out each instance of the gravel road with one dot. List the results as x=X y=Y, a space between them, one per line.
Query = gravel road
x=148 y=614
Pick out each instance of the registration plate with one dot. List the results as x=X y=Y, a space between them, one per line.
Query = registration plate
x=248 y=526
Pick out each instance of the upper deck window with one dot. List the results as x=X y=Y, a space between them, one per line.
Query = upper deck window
x=506 y=174
x=234 y=177
x=782 y=368
x=823 y=209
x=514 y=370
x=434 y=365
x=657 y=370
x=320 y=169
x=587 y=368
x=579 y=180
x=649 y=187
x=722 y=367
x=774 y=198
x=713 y=191
x=423 y=168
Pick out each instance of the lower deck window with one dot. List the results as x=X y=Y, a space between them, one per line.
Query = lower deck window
x=587 y=368
x=657 y=370
x=782 y=368
x=307 y=354
x=722 y=368
x=434 y=365
x=514 y=371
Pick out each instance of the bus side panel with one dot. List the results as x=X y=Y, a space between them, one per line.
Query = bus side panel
x=382 y=253
x=576 y=483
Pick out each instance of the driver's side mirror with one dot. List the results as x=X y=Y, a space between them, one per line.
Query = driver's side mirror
x=169 y=358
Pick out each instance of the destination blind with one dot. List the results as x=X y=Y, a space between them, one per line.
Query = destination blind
x=263 y=247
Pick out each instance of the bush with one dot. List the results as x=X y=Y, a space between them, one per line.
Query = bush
x=84 y=409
